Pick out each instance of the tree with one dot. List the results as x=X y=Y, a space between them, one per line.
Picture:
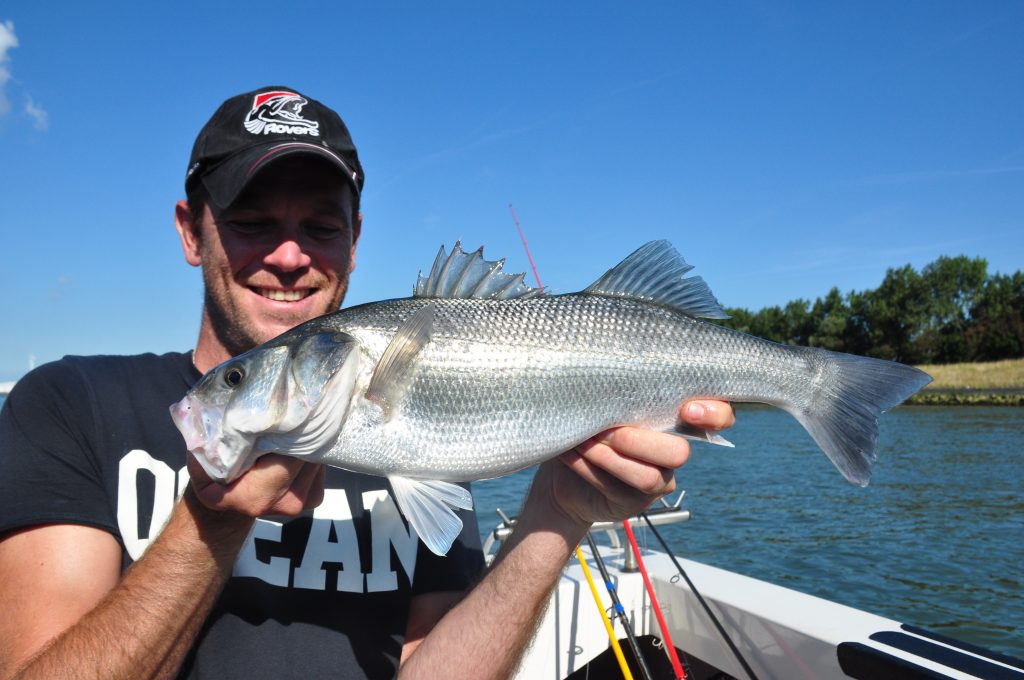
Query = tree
x=897 y=311
x=952 y=311
x=831 y=317
x=996 y=329
x=953 y=285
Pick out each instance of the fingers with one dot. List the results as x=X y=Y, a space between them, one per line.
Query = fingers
x=708 y=414
x=274 y=485
x=305 y=493
x=641 y=459
x=623 y=470
x=638 y=487
x=638 y=444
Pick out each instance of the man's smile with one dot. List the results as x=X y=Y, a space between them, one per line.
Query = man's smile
x=280 y=295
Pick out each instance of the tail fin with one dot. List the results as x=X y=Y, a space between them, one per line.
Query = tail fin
x=842 y=415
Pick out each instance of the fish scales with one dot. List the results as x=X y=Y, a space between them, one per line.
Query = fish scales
x=504 y=384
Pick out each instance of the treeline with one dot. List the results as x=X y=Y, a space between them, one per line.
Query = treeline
x=951 y=311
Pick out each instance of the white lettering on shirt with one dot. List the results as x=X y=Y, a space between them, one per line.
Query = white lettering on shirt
x=387 y=532
x=275 y=572
x=387 y=529
x=333 y=512
x=131 y=465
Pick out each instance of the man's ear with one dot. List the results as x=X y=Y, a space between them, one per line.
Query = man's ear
x=188 y=232
x=357 y=229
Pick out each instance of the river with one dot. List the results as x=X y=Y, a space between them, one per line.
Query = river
x=936 y=540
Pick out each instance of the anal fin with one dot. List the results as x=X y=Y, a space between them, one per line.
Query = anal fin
x=699 y=434
x=429 y=505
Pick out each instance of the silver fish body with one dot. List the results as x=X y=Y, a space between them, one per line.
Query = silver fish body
x=477 y=376
x=506 y=384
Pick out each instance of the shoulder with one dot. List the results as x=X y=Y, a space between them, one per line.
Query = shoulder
x=105 y=372
x=103 y=365
x=76 y=380
x=106 y=365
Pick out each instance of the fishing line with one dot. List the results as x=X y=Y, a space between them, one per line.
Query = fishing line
x=714 y=619
x=665 y=635
x=616 y=647
x=620 y=611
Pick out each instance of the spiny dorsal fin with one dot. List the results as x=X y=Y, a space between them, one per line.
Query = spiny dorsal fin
x=655 y=272
x=469 y=275
x=393 y=374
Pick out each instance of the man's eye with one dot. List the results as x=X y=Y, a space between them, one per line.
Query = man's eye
x=323 y=231
x=249 y=226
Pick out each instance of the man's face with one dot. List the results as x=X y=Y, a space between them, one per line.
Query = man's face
x=280 y=255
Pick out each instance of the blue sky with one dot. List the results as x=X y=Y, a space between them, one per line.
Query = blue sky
x=784 y=148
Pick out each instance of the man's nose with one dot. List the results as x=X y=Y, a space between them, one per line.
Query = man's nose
x=287 y=256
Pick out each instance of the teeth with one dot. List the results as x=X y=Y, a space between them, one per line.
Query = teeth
x=284 y=295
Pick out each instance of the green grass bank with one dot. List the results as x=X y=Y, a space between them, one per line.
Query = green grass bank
x=996 y=383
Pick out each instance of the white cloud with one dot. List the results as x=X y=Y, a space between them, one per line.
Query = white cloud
x=40 y=118
x=8 y=41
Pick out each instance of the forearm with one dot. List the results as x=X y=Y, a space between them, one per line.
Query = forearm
x=145 y=626
x=499 y=617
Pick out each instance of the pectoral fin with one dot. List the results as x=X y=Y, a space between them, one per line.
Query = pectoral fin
x=429 y=507
x=393 y=374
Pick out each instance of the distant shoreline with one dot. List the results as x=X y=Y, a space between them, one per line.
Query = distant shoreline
x=995 y=383
x=1006 y=396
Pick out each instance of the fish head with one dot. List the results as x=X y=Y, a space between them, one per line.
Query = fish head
x=290 y=395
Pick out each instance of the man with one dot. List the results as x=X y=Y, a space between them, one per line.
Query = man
x=90 y=466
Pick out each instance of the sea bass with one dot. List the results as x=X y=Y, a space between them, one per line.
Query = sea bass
x=478 y=375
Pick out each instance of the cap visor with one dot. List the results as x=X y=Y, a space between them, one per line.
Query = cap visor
x=226 y=181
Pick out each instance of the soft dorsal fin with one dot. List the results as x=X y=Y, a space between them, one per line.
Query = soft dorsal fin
x=469 y=275
x=655 y=272
x=393 y=374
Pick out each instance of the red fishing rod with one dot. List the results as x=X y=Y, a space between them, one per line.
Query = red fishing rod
x=526 y=247
x=666 y=637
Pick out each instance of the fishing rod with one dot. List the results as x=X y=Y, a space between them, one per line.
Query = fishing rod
x=616 y=647
x=714 y=619
x=665 y=635
x=620 y=611
x=526 y=247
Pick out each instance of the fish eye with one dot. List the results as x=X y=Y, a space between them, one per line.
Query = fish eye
x=234 y=376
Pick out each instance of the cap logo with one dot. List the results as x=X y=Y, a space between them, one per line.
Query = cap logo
x=280 y=112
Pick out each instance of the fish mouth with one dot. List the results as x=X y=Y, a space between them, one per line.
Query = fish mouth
x=187 y=416
x=202 y=429
x=283 y=294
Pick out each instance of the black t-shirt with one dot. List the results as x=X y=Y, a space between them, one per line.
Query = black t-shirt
x=89 y=440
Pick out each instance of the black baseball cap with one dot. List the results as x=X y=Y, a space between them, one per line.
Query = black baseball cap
x=253 y=129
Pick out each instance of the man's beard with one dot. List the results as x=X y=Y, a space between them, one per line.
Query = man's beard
x=235 y=330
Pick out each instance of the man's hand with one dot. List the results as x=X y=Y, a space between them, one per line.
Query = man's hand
x=276 y=484
x=621 y=471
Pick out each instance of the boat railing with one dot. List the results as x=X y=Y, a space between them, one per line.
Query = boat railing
x=658 y=515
